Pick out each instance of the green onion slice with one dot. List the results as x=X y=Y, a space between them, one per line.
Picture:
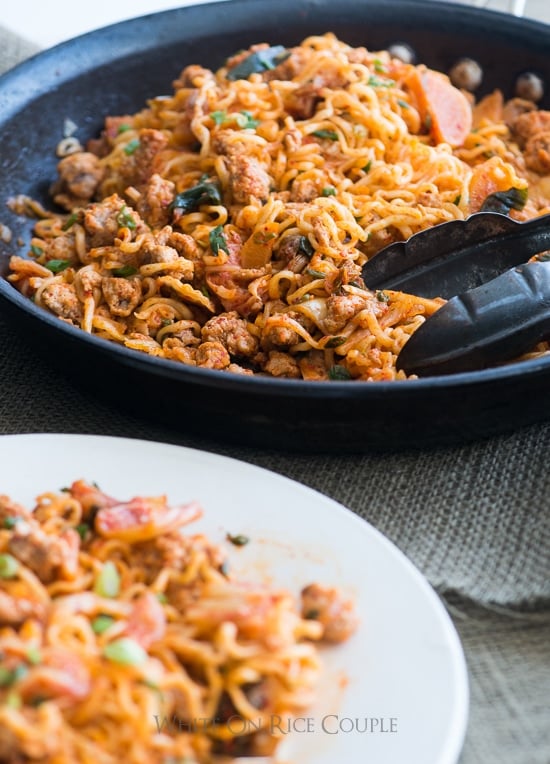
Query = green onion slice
x=101 y=623
x=125 y=651
x=108 y=581
x=56 y=266
x=9 y=566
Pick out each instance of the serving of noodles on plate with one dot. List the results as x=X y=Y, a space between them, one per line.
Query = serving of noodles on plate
x=125 y=638
x=225 y=226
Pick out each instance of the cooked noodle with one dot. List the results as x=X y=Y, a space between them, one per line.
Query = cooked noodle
x=225 y=226
x=125 y=639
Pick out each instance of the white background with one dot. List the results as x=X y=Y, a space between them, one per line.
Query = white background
x=47 y=23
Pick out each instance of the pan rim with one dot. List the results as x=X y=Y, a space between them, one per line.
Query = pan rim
x=42 y=73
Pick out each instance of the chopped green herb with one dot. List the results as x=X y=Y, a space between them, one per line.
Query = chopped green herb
x=166 y=322
x=205 y=192
x=34 y=656
x=217 y=240
x=457 y=199
x=125 y=220
x=123 y=128
x=328 y=191
x=125 y=271
x=315 y=274
x=107 y=583
x=382 y=296
x=428 y=122
x=6 y=676
x=131 y=146
x=83 y=530
x=125 y=651
x=263 y=237
x=245 y=120
x=259 y=61
x=238 y=540
x=379 y=66
x=306 y=247
x=367 y=167
x=504 y=201
x=11 y=522
x=71 y=220
x=162 y=598
x=329 y=135
x=403 y=104
x=56 y=266
x=204 y=291
x=334 y=342
x=339 y=372
x=376 y=82
x=101 y=623
x=36 y=251
x=219 y=117
x=9 y=566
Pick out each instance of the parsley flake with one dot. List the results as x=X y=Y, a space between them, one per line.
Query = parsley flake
x=329 y=135
x=218 y=241
x=56 y=266
x=339 y=373
x=238 y=540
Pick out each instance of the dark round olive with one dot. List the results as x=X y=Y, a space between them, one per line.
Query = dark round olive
x=403 y=52
x=530 y=86
x=466 y=74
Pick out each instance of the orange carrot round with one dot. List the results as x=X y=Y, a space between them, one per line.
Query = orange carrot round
x=444 y=108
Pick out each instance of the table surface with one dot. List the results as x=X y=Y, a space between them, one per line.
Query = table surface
x=475 y=519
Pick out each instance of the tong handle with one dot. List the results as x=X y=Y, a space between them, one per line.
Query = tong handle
x=453 y=257
x=493 y=323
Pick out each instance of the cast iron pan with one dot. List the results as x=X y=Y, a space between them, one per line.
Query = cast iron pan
x=113 y=71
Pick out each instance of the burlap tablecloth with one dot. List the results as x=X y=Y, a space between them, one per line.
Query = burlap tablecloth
x=474 y=519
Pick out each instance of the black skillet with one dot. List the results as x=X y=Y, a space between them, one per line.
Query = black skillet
x=112 y=71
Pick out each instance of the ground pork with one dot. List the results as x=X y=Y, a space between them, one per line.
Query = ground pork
x=79 y=176
x=231 y=331
x=62 y=300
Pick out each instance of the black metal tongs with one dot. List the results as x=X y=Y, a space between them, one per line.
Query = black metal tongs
x=498 y=304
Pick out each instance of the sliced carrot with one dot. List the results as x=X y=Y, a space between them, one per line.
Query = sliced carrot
x=489 y=109
x=445 y=108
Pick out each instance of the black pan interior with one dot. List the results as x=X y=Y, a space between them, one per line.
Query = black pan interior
x=114 y=71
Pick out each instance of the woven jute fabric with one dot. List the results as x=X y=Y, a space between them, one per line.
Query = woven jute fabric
x=475 y=520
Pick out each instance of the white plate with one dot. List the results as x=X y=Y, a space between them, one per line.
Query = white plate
x=397 y=691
